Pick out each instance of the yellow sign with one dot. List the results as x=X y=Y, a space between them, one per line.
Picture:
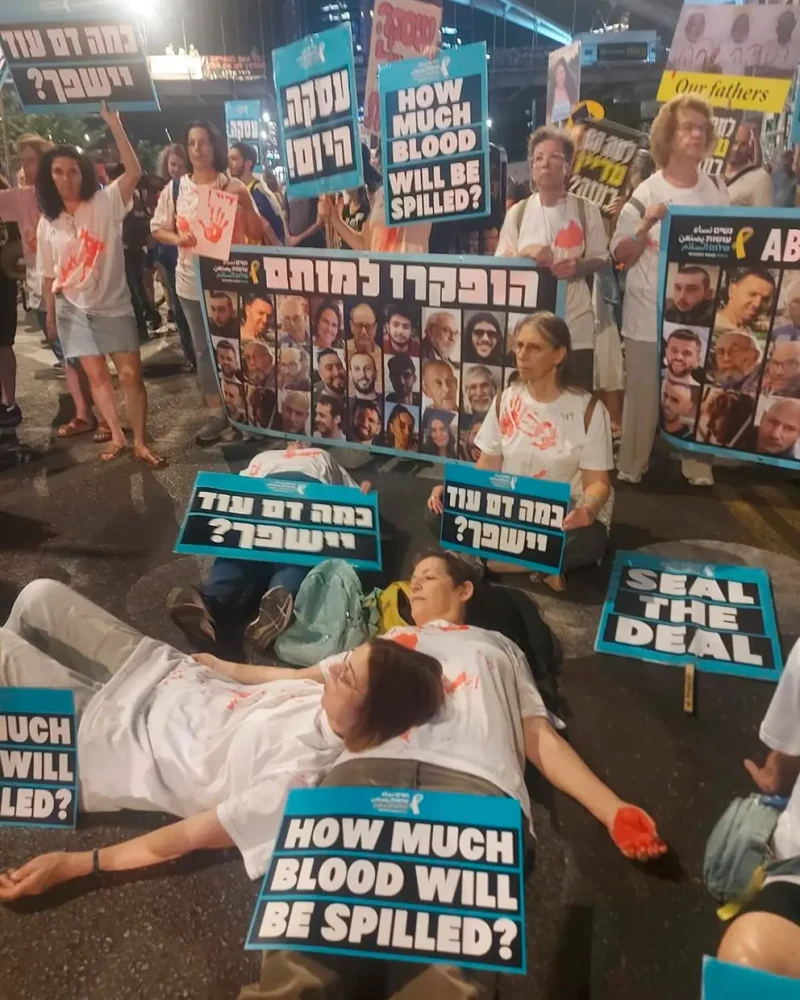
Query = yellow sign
x=594 y=109
x=740 y=93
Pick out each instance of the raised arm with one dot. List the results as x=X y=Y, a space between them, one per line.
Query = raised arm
x=126 y=182
x=201 y=832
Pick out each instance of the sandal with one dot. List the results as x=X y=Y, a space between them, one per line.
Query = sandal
x=102 y=435
x=75 y=427
x=114 y=452
x=150 y=458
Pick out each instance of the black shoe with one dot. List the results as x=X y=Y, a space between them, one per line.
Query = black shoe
x=274 y=617
x=10 y=416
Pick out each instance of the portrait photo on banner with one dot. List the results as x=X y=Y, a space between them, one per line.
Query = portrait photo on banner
x=388 y=368
x=563 y=82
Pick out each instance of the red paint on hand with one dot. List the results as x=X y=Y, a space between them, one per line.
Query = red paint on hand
x=634 y=830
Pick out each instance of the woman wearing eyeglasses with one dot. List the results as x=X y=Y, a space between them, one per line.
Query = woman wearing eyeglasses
x=681 y=137
x=564 y=233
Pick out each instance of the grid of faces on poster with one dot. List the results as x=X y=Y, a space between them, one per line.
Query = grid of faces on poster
x=730 y=367
x=410 y=378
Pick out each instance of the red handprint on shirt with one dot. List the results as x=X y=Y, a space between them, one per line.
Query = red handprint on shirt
x=542 y=433
x=217 y=226
x=79 y=259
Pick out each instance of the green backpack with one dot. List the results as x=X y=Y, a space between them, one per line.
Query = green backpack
x=330 y=616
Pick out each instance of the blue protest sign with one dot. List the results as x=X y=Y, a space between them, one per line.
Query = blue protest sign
x=69 y=62
x=719 y=618
x=38 y=757
x=434 y=137
x=315 y=89
x=729 y=331
x=794 y=135
x=397 y=874
x=722 y=981
x=280 y=520
x=509 y=518
x=243 y=123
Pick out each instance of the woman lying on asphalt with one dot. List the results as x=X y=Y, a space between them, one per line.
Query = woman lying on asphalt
x=544 y=427
x=166 y=734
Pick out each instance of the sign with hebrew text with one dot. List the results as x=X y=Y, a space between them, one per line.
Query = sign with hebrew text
x=69 y=65
x=315 y=88
x=281 y=520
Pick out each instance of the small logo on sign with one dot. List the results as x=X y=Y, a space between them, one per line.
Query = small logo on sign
x=504 y=482
x=397 y=802
x=311 y=55
x=287 y=487
x=415 y=802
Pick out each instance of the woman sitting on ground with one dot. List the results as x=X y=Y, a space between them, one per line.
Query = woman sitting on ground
x=165 y=734
x=544 y=428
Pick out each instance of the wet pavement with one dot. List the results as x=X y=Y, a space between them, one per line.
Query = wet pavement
x=598 y=927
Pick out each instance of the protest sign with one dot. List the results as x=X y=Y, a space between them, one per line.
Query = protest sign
x=563 y=82
x=391 y=352
x=299 y=523
x=243 y=123
x=722 y=981
x=509 y=518
x=71 y=64
x=794 y=134
x=213 y=229
x=397 y=874
x=734 y=57
x=315 y=88
x=729 y=321
x=38 y=757
x=719 y=618
x=434 y=139
x=604 y=152
x=401 y=29
x=725 y=125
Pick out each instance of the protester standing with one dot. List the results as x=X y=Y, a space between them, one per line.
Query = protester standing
x=172 y=224
x=563 y=233
x=748 y=183
x=242 y=159
x=681 y=137
x=173 y=165
x=80 y=259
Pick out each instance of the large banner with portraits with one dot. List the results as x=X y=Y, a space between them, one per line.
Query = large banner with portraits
x=729 y=316
x=399 y=353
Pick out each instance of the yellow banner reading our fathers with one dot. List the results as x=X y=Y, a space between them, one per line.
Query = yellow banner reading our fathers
x=744 y=93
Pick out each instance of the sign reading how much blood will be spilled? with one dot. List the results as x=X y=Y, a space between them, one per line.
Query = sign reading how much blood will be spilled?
x=280 y=520
x=38 y=757
x=434 y=139
x=503 y=517
x=397 y=874
x=720 y=618
x=70 y=66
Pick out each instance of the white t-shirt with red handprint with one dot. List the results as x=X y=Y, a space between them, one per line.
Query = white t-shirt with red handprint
x=548 y=440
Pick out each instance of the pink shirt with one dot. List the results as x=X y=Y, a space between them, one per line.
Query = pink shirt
x=19 y=205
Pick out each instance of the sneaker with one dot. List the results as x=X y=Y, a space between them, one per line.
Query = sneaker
x=10 y=416
x=701 y=480
x=190 y=613
x=216 y=428
x=274 y=616
x=626 y=477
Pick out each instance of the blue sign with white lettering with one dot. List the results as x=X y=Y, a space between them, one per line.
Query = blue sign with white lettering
x=507 y=518
x=719 y=618
x=435 y=138
x=315 y=89
x=38 y=757
x=398 y=874
x=243 y=124
x=722 y=981
x=281 y=520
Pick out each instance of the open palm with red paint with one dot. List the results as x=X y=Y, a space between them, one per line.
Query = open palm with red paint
x=216 y=226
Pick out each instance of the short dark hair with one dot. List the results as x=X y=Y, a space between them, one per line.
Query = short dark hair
x=735 y=275
x=546 y=132
x=46 y=191
x=248 y=152
x=399 y=309
x=694 y=269
x=254 y=296
x=336 y=404
x=684 y=334
x=459 y=570
x=217 y=144
x=217 y=293
x=398 y=363
x=365 y=404
x=405 y=690
x=325 y=352
x=225 y=345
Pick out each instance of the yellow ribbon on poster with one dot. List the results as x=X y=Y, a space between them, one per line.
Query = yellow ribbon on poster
x=740 y=93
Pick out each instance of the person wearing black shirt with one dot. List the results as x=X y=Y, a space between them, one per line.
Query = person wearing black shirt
x=692 y=302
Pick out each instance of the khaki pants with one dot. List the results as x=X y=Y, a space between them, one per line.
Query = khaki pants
x=292 y=975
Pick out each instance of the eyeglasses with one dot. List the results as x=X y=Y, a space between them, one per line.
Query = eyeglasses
x=789 y=365
x=686 y=128
x=363 y=326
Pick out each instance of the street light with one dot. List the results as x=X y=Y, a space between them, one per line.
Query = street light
x=488 y=122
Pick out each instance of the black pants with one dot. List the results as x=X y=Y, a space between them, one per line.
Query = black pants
x=134 y=274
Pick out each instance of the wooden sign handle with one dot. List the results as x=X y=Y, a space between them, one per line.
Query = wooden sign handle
x=688 y=689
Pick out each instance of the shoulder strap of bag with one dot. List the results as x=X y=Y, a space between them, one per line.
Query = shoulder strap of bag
x=176 y=186
x=589 y=413
x=637 y=205
x=519 y=212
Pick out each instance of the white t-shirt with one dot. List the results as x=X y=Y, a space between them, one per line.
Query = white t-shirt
x=548 y=440
x=168 y=735
x=314 y=462
x=83 y=254
x=780 y=730
x=181 y=215
x=639 y=307
x=752 y=188
x=559 y=227
x=490 y=691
